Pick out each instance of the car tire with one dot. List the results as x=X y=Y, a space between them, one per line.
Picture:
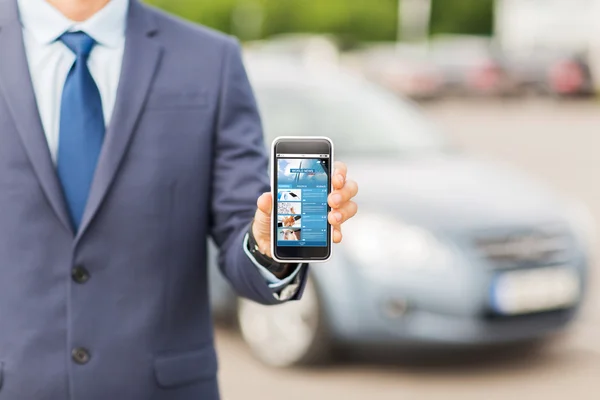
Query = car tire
x=288 y=335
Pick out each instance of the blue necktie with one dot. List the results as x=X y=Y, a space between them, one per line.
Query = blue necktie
x=81 y=127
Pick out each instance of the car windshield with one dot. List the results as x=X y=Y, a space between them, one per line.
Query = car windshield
x=360 y=119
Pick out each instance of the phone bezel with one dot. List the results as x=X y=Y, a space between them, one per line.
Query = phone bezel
x=300 y=145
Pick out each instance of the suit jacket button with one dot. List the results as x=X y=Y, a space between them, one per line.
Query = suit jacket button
x=80 y=355
x=80 y=274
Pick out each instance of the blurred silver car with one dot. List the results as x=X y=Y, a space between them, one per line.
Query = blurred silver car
x=471 y=65
x=405 y=69
x=549 y=72
x=446 y=248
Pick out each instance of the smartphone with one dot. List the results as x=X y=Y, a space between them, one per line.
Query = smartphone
x=301 y=169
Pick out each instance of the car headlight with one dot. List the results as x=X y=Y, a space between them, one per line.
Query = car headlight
x=583 y=225
x=385 y=246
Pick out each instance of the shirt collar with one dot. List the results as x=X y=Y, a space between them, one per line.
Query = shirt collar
x=46 y=24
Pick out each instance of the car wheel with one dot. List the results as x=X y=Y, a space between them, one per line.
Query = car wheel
x=287 y=335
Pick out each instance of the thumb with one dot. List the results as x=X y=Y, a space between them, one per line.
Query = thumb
x=265 y=203
x=262 y=223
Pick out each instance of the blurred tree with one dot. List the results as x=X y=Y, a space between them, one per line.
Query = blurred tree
x=214 y=13
x=360 y=19
x=462 y=16
x=350 y=19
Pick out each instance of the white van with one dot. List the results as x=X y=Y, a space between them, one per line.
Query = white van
x=562 y=25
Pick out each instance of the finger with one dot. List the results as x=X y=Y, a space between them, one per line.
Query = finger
x=337 y=235
x=265 y=203
x=343 y=214
x=341 y=168
x=339 y=176
x=343 y=195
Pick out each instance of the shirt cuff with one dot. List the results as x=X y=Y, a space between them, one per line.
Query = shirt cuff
x=273 y=281
x=289 y=291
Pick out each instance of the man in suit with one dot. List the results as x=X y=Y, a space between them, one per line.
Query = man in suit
x=127 y=137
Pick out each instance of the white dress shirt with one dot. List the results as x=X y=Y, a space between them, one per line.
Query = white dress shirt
x=50 y=61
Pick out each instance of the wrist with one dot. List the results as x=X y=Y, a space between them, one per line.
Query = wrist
x=259 y=251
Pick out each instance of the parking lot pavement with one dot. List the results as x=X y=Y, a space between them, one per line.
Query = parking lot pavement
x=559 y=142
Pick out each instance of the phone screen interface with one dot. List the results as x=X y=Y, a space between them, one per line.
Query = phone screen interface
x=302 y=189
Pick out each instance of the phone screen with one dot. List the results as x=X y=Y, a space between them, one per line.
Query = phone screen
x=301 y=209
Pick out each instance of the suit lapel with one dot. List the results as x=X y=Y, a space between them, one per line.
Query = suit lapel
x=141 y=59
x=16 y=86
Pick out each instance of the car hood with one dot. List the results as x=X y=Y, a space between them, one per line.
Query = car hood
x=454 y=192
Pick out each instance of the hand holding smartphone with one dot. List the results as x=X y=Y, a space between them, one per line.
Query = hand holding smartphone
x=301 y=169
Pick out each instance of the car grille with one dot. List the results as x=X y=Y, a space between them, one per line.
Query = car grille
x=529 y=248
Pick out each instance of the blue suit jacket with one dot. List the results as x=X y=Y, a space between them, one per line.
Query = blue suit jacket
x=183 y=159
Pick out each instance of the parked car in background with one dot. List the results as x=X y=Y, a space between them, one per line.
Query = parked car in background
x=308 y=50
x=447 y=248
x=402 y=68
x=545 y=71
x=571 y=77
x=471 y=65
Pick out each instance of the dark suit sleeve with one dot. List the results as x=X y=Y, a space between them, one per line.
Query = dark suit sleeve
x=240 y=176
